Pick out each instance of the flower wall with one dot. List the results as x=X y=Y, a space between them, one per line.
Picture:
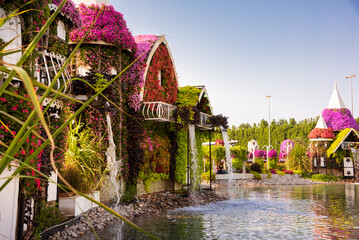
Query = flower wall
x=164 y=89
x=339 y=119
x=110 y=27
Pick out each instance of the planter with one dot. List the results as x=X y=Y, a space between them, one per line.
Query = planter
x=75 y=205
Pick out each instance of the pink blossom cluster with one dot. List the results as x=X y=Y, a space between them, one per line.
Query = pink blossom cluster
x=339 y=119
x=110 y=26
x=272 y=154
x=134 y=76
x=70 y=11
x=260 y=154
x=285 y=146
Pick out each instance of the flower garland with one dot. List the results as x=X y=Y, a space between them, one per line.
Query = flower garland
x=70 y=11
x=321 y=133
x=164 y=89
x=110 y=27
x=339 y=119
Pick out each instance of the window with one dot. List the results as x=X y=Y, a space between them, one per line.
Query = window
x=61 y=31
x=159 y=74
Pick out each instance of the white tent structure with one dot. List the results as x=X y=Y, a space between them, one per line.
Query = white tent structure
x=336 y=100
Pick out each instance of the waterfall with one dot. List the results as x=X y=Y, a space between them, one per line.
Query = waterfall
x=355 y=154
x=228 y=152
x=195 y=174
x=113 y=165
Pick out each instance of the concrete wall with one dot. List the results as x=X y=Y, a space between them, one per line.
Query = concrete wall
x=75 y=205
x=9 y=205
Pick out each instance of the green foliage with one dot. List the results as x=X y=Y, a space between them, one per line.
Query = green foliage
x=130 y=193
x=46 y=216
x=150 y=178
x=84 y=164
x=256 y=175
x=256 y=167
x=188 y=95
x=273 y=163
x=237 y=164
x=280 y=173
x=269 y=175
x=298 y=159
x=101 y=81
x=324 y=178
x=181 y=157
x=239 y=152
x=205 y=176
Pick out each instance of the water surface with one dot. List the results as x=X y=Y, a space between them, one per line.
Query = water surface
x=278 y=212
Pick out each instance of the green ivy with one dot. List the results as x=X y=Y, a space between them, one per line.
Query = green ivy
x=150 y=178
x=188 y=96
x=181 y=157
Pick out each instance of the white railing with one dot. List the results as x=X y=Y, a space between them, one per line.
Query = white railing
x=48 y=66
x=158 y=111
x=203 y=123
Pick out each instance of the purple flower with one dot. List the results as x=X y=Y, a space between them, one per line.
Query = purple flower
x=339 y=119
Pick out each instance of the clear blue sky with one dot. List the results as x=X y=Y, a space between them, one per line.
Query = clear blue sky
x=245 y=50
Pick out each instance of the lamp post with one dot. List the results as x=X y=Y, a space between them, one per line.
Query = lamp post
x=268 y=148
x=351 y=89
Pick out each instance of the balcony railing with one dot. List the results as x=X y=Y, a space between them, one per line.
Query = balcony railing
x=48 y=66
x=158 y=111
x=203 y=123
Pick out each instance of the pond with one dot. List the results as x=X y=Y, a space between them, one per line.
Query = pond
x=274 y=212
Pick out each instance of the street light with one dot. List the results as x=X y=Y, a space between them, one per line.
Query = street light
x=269 y=146
x=351 y=89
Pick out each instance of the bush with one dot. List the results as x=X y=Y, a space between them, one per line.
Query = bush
x=279 y=172
x=256 y=167
x=256 y=176
x=298 y=159
x=237 y=164
x=272 y=171
x=324 y=178
x=205 y=176
x=47 y=216
x=273 y=163
x=281 y=166
x=269 y=175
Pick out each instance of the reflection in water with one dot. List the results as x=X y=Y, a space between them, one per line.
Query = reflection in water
x=278 y=212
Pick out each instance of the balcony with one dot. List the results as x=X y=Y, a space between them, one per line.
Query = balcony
x=48 y=66
x=158 y=111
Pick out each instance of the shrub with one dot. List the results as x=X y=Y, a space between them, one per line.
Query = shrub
x=256 y=167
x=273 y=163
x=272 y=171
x=324 y=178
x=279 y=172
x=298 y=159
x=256 y=176
x=205 y=176
x=269 y=175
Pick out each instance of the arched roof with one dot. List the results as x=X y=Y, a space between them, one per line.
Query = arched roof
x=156 y=44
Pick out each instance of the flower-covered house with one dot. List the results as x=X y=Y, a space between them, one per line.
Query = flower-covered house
x=334 y=140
